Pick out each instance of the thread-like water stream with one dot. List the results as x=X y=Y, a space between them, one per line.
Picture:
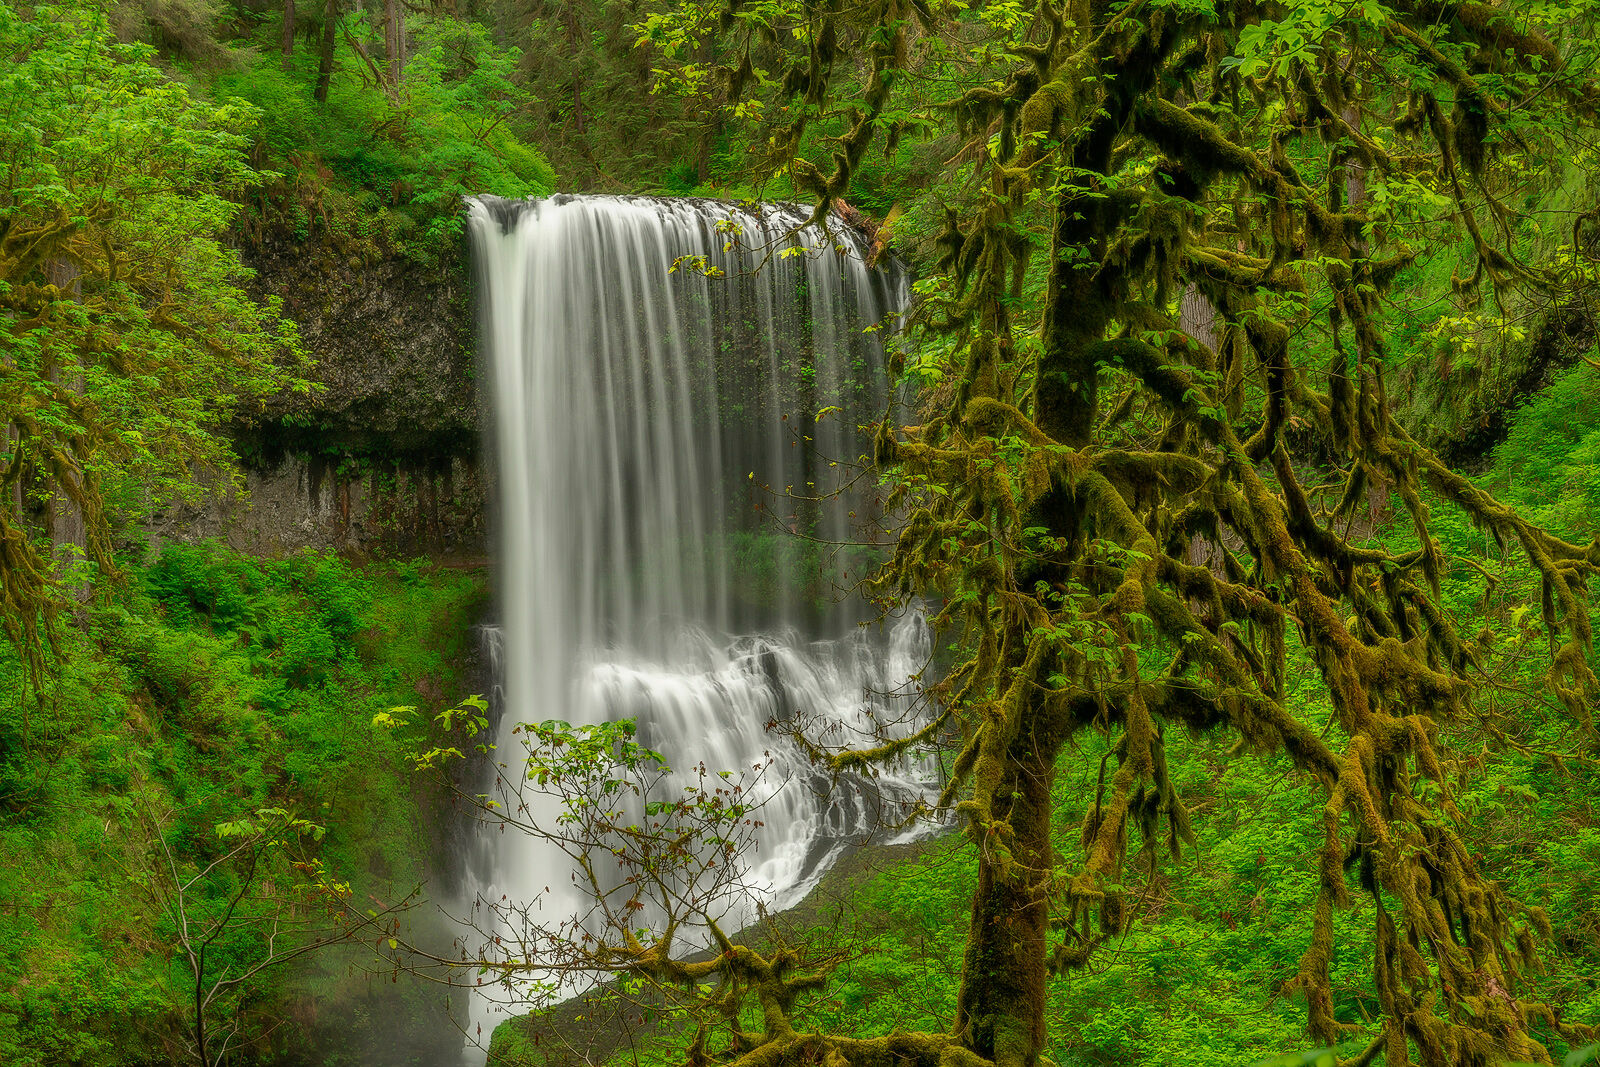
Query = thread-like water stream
x=678 y=389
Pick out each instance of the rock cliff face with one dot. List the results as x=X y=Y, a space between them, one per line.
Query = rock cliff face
x=384 y=458
x=393 y=342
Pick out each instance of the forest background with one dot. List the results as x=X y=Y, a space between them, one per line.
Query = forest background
x=167 y=705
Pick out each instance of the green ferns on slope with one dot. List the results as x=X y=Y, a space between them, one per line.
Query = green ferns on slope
x=216 y=686
x=1549 y=463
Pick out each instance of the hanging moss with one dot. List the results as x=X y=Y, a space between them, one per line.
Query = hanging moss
x=1109 y=489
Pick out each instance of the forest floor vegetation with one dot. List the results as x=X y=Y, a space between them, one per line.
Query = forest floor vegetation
x=212 y=687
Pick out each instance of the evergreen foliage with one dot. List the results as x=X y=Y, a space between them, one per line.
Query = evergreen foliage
x=381 y=168
x=592 y=105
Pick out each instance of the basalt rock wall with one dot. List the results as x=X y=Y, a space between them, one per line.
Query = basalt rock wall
x=383 y=458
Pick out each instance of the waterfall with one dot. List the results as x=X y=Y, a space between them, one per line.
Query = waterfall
x=677 y=393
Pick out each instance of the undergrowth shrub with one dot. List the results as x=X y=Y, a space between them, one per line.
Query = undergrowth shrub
x=213 y=685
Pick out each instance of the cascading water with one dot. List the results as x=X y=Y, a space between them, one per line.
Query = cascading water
x=677 y=391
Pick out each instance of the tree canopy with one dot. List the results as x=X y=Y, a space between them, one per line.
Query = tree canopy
x=128 y=337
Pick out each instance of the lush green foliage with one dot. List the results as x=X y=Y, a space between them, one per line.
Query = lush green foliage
x=383 y=168
x=127 y=334
x=216 y=687
x=593 y=105
x=1550 y=461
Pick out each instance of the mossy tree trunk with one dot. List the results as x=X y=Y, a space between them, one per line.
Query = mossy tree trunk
x=1000 y=1010
x=394 y=40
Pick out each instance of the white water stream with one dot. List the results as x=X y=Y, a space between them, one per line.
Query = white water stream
x=672 y=440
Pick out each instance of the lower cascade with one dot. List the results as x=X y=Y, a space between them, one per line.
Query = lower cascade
x=678 y=392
